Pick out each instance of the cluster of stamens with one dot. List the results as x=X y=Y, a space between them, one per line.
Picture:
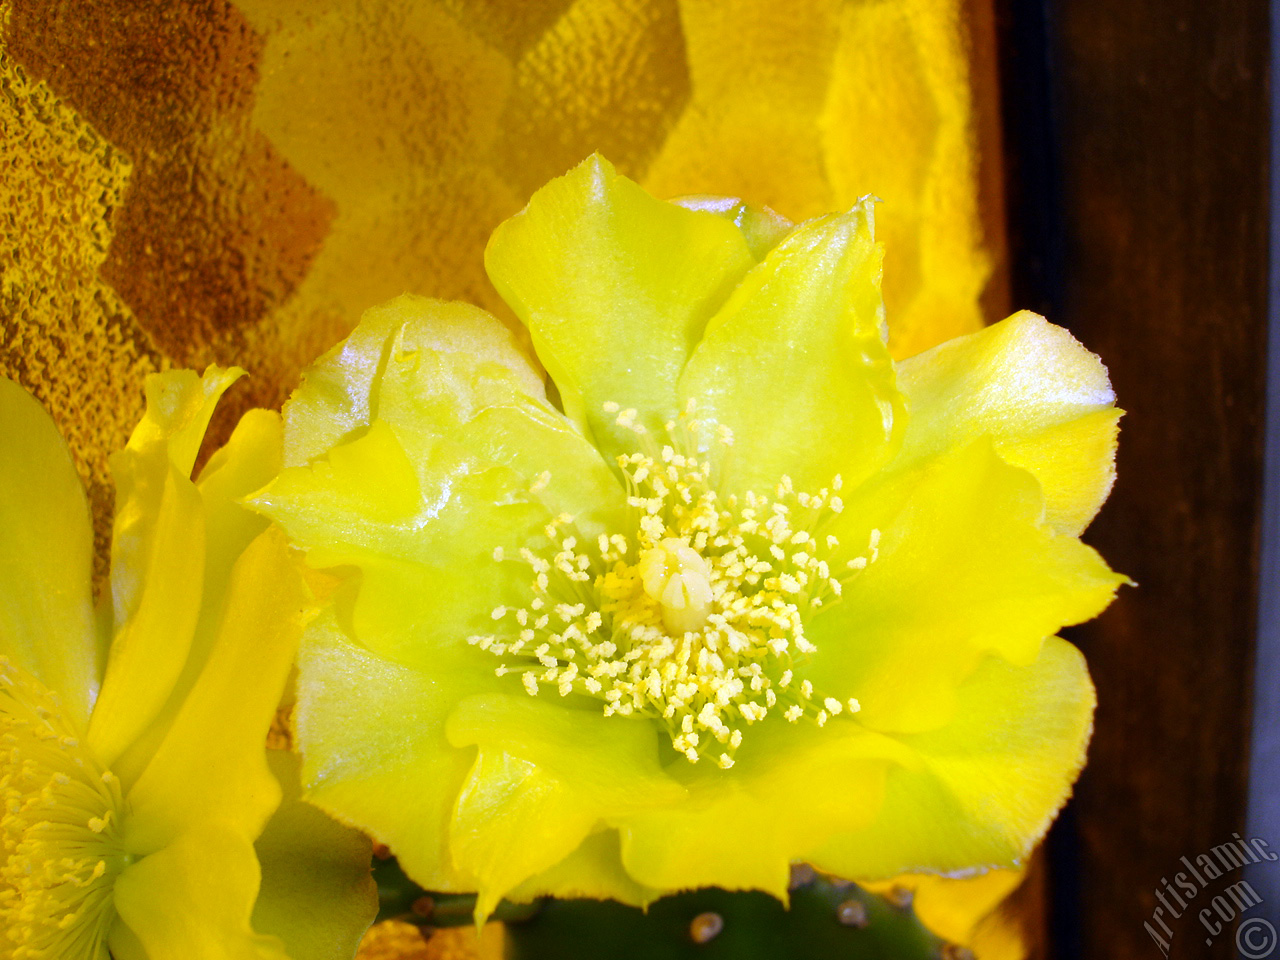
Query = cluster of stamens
x=58 y=830
x=697 y=618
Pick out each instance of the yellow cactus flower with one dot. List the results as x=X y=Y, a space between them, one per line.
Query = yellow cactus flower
x=133 y=765
x=737 y=590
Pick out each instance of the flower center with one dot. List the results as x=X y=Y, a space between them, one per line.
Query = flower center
x=676 y=576
x=694 y=616
x=58 y=829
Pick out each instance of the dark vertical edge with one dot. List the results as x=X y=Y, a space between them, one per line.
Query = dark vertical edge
x=1030 y=156
x=988 y=44
x=1138 y=149
x=1034 y=232
x=1160 y=160
x=1264 y=763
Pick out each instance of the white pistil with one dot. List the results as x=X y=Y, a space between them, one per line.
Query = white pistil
x=676 y=576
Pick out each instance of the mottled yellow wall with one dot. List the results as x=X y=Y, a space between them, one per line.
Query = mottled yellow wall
x=269 y=168
x=64 y=331
x=190 y=181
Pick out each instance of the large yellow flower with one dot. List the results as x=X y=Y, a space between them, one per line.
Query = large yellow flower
x=133 y=769
x=740 y=591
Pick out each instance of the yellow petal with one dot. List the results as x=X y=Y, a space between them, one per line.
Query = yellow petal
x=793 y=786
x=317 y=892
x=1004 y=933
x=1075 y=464
x=380 y=762
x=615 y=287
x=211 y=764
x=762 y=228
x=594 y=871
x=46 y=556
x=795 y=364
x=179 y=405
x=340 y=392
x=512 y=820
x=1044 y=399
x=967 y=910
x=565 y=472
x=334 y=400
x=614 y=764
x=964 y=568
x=157 y=556
x=988 y=784
x=157 y=575
x=546 y=773
x=422 y=533
x=452 y=466
x=366 y=485
x=445 y=362
x=431 y=369
x=250 y=458
x=193 y=899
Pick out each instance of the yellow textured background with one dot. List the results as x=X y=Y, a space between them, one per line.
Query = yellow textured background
x=188 y=182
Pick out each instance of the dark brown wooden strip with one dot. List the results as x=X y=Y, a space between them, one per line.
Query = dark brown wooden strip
x=1139 y=220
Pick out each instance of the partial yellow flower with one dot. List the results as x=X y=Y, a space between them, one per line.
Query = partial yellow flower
x=133 y=767
x=741 y=591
